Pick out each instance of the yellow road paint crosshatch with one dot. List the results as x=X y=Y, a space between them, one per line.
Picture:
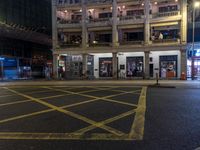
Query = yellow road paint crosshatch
x=136 y=128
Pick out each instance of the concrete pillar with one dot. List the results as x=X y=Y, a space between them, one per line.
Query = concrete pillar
x=183 y=27
x=183 y=61
x=115 y=41
x=54 y=38
x=84 y=25
x=114 y=65
x=85 y=56
x=54 y=25
x=146 y=66
x=146 y=22
x=55 y=66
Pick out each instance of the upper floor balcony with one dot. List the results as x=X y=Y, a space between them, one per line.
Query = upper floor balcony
x=67 y=3
x=124 y=20
x=68 y=45
x=165 y=35
x=98 y=22
x=166 y=16
x=68 y=23
x=165 y=11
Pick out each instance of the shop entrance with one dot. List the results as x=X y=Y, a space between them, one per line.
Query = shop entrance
x=134 y=66
x=168 y=66
x=195 y=68
x=151 y=70
x=105 y=67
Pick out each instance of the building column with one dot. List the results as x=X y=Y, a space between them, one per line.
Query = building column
x=54 y=25
x=183 y=62
x=146 y=22
x=183 y=27
x=55 y=66
x=146 y=67
x=114 y=65
x=84 y=63
x=115 y=41
x=84 y=25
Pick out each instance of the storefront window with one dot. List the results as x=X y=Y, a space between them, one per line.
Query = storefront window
x=105 y=67
x=168 y=66
x=134 y=66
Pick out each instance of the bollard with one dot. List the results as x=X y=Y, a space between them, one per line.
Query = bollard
x=157 y=79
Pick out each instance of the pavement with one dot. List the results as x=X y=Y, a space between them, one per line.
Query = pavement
x=100 y=115
x=162 y=83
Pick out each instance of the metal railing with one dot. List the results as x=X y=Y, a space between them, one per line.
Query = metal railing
x=131 y=42
x=69 y=21
x=166 y=14
x=100 y=44
x=165 y=40
x=121 y=18
x=99 y=20
x=99 y=1
x=68 y=45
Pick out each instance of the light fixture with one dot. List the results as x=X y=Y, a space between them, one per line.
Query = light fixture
x=142 y=4
x=196 y=4
x=176 y=0
x=155 y=3
x=111 y=8
x=65 y=11
x=123 y=7
x=80 y=10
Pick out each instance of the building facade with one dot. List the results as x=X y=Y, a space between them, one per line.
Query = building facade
x=193 y=48
x=119 y=38
x=25 y=38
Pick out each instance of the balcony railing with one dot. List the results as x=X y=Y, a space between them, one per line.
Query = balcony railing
x=131 y=42
x=68 y=2
x=99 y=20
x=99 y=1
x=69 y=45
x=100 y=44
x=166 y=14
x=69 y=21
x=175 y=40
x=131 y=17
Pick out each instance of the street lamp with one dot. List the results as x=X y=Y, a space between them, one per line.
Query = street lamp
x=196 y=4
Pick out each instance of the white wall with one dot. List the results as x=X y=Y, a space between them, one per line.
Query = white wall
x=155 y=62
x=96 y=62
x=122 y=60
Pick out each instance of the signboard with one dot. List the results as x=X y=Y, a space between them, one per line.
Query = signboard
x=10 y=62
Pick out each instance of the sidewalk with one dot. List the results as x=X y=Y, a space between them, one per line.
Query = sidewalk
x=176 y=83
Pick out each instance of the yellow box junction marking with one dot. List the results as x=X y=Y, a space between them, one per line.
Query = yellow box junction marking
x=74 y=115
x=137 y=130
x=136 y=133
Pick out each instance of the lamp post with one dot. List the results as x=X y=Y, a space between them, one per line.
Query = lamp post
x=196 y=4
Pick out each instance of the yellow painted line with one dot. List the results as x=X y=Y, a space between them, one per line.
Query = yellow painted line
x=137 y=129
x=114 y=90
x=90 y=96
x=42 y=112
x=91 y=127
x=16 y=102
x=37 y=92
x=119 y=102
x=59 y=136
x=7 y=95
x=26 y=115
x=85 y=119
x=55 y=96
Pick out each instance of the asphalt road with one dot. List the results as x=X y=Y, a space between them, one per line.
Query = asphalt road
x=99 y=118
